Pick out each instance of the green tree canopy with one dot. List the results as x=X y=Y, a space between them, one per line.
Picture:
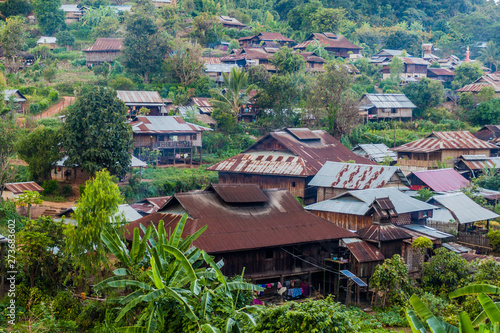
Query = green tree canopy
x=9 y=134
x=15 y=7
x=185 y=64
x=12 y=38
x=65 y=38
x=403 y=40
x=425 y=94
x=236 y=92
x=466 y=73
x=486 y=113
x=49 y=16
x=287 y=62
x=96 y=134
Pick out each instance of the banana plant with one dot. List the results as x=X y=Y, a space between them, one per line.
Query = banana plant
x=177 y=272
x=491 y=311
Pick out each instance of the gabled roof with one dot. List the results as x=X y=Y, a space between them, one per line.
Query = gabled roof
x=126 y=211
x=462 y=208
x=18 y=97
x=312 y=57
x=248 y=53
x=476 y=162
x=46 y=40
x=383 y=233
x=477 y=87
x=426 y=231
x=415 y=61
x=441 y=180
x=381 y=101
x=354 y=176
x=441 y=71
x=268 y=36
x=140 y=97
x=230 y=21
x=106 y=44
x=164 y=124
x=358 y=202
x=304 y=153
x=363 y=251
x=328 y=40
x=19 y=188
x=388 y=52
x=69 y=8
x=239 y=226
x=445 y=141
x=377 y=152
x=488 y=133
x=149 y=205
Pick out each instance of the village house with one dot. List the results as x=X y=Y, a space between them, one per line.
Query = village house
x=264 y=233
x=440 y=149
x=149 y=205
x=199 y=108
x=136 y=100
x=472 y=166
x=485 y=81
x=257 y=40
x=313 y=62
x=335 y=178
x=215 y=71
x=450 y=62
x=338 y=45
x=385 y=107
x=103 y=50
x=12 y=190
x=162 y=3
x=247 y=57
x=73 y=12
x=15 y=99
x=376 y=152
x=385 y=55
x=438 y=180
x=353 y=209
x=51 y=42
x=491 y=134
x=286 y=159
x=443 y=75
x=176 y=139
x=231 y=22
x=412 y=68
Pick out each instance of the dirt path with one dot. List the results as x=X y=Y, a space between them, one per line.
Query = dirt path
x=57 y=108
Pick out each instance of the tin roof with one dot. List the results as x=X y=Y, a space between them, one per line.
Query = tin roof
x=363 y=251
x=477 y=87
x=441 y=71
x=124 y=211
x=46 y=40
x=415 y=61
x=219 y=67
x=106 y=44
x=137 y=163
x=72 y=8
x=18 y=97
x=383 y=233
x=164 y=124
x=356 y=176
x=358 y=202
x=457 y=248
x=429 y=232
x=476 y=162
x=243 y=226
x=328 y=40
x=471 y=257
x=240 y=193
x=381 y=101
x=488 y=133
x=202 y=102
x=384 y=52
x=140 y=97
x=462 y=208
x=149 y=205
x=445 y=141
x=18 y=188
x=377 y=152
x=441 y=180
x=299 y=157
x=230 y=21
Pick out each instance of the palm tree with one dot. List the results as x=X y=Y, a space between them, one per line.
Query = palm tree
x=236 y=93
x=490 y=55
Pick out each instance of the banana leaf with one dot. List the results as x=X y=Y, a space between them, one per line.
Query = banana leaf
x=475 y=289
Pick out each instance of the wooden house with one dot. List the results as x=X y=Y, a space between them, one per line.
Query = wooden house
x=352 y=209
x=338 y=45
x=16 y=100
x=12 y=190
x=313 y=62
x=230 y=22
x=215 y=71
x=387 y=54
x=472 y=166
x=362 y=257
x=73 y=12
x=286 y=159
x=489 y=133
x=264 y=232
x=444 y=75
x=248 y=57
x=257 y=40
x=385 y=107
x=162 y=3
x=412 y=68
x=335 y=178
x=440 y=149
x=103 y=50
x=51 y=42
x=136 y=100
x=199 y=108
x=488 y=80
x=176 y=139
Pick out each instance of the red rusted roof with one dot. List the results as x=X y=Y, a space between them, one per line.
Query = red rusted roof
x=312 y=57
x=202 y=102
x=329 y=40
x=383 y=233
x=211 y=60
x=477 y=87
x=240 y=193
x=236 y=227
x=139 y=97
x=488 y=133
x=441 y=71
x=445 y=141
x=299 y=158
x=18 y=188
x=363 y=251
x=471 y=257
x=441 y=180
x=477 y=162
x=149 y=205
x=106 y=44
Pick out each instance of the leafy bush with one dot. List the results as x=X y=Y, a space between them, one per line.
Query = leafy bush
x=54 y=95
x=394 y=317
x=91 y=313
x=494 y=237
x=50 y=187
x=34 y=108
x=66 y=191
x=66 y=306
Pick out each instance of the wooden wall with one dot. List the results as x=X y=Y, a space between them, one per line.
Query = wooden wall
x=98 y=57
x=347 y=221
x=455 y=154
x=399 y=113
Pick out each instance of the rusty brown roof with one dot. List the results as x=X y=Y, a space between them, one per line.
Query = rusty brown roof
x=244 y=226
x=18 y=188
x=471 y=257
x=298 y=157
x=441 y=71
x=240 y=193
x=477 y=87
x=149 y=205
x=445 y=141
x=164 y=124
x=106 y=44
x=329 y=40
x=488 y=133
x=383 y=233
x=363 y=251
x=139 y=97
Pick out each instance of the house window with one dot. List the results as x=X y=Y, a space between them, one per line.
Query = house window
x=194 y=137
x=174 y=138
x=293 y=184
x=269 y=254
x=393 y=110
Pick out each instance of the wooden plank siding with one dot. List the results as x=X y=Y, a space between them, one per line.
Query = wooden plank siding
x=97 y=57
x=357 y=222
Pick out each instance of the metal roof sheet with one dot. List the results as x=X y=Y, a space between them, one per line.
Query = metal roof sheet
x=415 y=61
x=219 y=67
x=328 y=40
x=72 y=8
x=165 y=124
x=477 y=87
x=105 y=44
x=149 y=205
x=18 y=97
x=471 y=257
x=124 y=211
x=463 y=208
x=383 y=232
x=356 y=176
x=441 y=180
x=230 y=21
x=377 y=152
x=240 y=193
x=363 y=251
x=457 y=248
x=137 y=163
x=427 y=231
x=441 y=71
x=398 y=101
x=280 y=221
x=18 y=188
x=358 y=202
x=140 y=97
x=46 y=40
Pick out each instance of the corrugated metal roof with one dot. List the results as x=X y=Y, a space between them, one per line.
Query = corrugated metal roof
x=415 y=61
x=121 y=8
x=18 y=97
x=202 y=102
x=230 y=21
x=363 y=251
x=441 y=71
x=46 y=40
x=383 y=233
x=381 y=101
x=488 y=133
x=219 y=68
x=389 y=52
x=462 y=208
x=140 y=97
x=18 y=188
x=457 y=248
x=476 y=162
x=280 y=221
x=106 y=44
x=356 y=176
x=165 y=124
x=441 y=180
x=477 y=87
x=149 y=205
x=137 y=163
x=377 y=152
x=358 y=202
x=471 y=257
x=445 y=141
x=300 y=157
x=124 y=211
x=427 y=231
x=72 y=8
x=328 y=40
x=240 y=193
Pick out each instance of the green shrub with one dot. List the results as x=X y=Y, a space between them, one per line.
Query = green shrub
x=92 y=313
x=50 y=187
x=394 y=317
x=66 y=191
x=34 y=108
x=66 y=306
x=494 y=237
x=81 y=189
x=54 y=95
x=44 y=104
x=79 y=62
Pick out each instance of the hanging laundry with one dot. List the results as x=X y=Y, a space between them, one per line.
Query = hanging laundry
x=279 y=285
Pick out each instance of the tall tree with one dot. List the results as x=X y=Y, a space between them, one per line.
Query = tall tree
x=184 y=64
x=144 y=45
x=287 y=61
x=396 y=67
x=9 y=133
x=425 y=94
x=235 y=94
x=12 y=38
x=49 y=16
x=95 y=213
x=490 y=55
x=15 y=7
x=466 y=73
x=96 y=134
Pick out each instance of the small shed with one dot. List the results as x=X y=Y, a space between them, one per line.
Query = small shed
x=136 y=100
x=385 y=106
x=14 y=96
x=230 y=22
x=12 y=190
x=438 y=180
x=377 y=152
x=388 y=238
x=363 y=256
x=103 y=50
x=471 y=166
x=48 y=41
